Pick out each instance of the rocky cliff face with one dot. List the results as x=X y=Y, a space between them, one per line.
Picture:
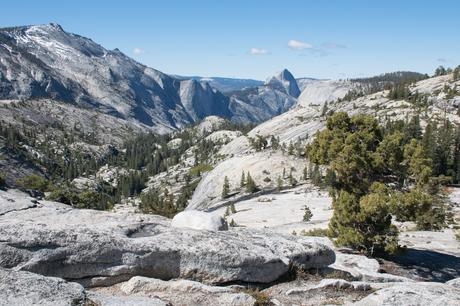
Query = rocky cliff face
x=44 y=61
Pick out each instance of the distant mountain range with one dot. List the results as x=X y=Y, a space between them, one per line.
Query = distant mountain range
x=44 y=61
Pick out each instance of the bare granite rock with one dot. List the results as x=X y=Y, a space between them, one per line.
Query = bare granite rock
x=101 y=248
x=186 y=292
x=25 y=288
x=413 y=294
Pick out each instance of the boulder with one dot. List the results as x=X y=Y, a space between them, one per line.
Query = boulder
x=199 y=220
x=186 y=292
x=98 y=248
x=413 y=294
x=25 y=288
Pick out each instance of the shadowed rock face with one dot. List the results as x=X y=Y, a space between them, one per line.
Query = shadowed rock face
x=101 y=248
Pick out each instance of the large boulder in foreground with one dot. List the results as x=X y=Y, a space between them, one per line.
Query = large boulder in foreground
x=100 y=248
x=199 y=220
x=25 y=288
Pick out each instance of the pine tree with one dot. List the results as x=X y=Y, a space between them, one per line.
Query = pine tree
x=232 y=208
x=316 y=177
x=251 y=186
x=243 y=180
x=305 y=173
x=325 y=109
x=292 y=180
x=307 y=214
x=225 y=188
x=233 y=223
x=279 y=183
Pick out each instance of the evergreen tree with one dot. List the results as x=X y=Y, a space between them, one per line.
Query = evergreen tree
x=243 y=180
x=440 y=71
x=2 y=181
x=305 y=173
x=456 y=74
x=316 y=177
x=291 y=148
x=225 y=188
x=232 y=208
x=307 y=214
x=324 y=109
x=279 y=183
x=292 y=180
x=361 y=217
x=251 y=186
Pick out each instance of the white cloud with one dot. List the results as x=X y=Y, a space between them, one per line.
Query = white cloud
x=138 y=51
x=298 y=45
x=257 y=51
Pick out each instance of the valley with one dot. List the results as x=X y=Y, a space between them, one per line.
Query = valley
x=123 y=185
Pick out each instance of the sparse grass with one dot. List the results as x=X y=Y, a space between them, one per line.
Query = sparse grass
x=262 y=298
x=316 y=232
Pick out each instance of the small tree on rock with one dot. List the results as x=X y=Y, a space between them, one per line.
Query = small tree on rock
x=250 y=184
x=225 y=188
x=307 y=214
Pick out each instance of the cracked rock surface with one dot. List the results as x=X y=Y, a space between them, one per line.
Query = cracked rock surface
x=99 y=248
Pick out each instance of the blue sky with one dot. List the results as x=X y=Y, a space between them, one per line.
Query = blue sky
x=254 y=39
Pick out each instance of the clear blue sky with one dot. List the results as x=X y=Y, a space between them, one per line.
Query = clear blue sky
x=254 y=39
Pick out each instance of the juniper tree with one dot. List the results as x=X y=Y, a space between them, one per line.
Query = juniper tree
x=361 y=217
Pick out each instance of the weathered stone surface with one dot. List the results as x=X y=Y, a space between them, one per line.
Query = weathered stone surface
x=102 y=248
x=185 y=292
x=363 y=268
x=199 y=220
x=25 y=288
x=116 y=300
x=330 y=283
x=454 y=283
x=13 y=200
x=413 y=294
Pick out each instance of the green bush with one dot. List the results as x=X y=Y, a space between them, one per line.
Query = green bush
x=35 y=182
x=86 y=199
